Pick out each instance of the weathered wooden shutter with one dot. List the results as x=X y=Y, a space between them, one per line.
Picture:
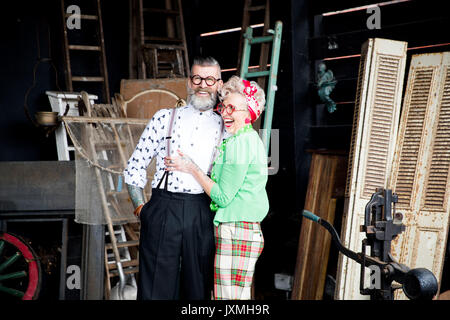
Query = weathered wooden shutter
x=422 y=162
x=375 y=125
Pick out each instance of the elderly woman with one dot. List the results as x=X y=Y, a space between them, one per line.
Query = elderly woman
x=237 y=189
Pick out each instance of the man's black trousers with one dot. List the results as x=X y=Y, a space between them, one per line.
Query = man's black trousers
x=176 y=251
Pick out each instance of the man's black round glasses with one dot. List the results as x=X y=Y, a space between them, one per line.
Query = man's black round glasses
x=210 y=81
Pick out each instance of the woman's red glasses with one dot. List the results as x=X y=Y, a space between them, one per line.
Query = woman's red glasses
x=228 y=108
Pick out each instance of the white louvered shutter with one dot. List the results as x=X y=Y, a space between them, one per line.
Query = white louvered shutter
x=375 y=125
x=422 y=162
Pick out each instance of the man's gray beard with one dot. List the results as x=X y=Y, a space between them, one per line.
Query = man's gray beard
x=201 y=103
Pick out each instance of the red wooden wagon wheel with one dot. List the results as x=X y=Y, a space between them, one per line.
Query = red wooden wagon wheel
x=20 y=272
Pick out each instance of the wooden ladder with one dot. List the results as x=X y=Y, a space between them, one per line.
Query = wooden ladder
x=127 y=245
x=250 y=8
x=71 y=49
x=121 y=241
x=157 y=56
x=274 y=38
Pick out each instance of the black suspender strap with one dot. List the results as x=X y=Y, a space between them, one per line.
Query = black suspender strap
x=168 y=144
x=168 y=148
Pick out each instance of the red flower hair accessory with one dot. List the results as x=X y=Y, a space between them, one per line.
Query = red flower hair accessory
x=252 y=103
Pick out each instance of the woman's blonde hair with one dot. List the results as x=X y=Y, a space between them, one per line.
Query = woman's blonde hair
x=236 y=85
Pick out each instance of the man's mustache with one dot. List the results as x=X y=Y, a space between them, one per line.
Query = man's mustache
x=202 y=89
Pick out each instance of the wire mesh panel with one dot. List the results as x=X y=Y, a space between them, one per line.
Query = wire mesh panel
x=103 y=146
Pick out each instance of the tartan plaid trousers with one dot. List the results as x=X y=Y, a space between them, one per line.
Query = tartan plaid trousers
x=238 y=247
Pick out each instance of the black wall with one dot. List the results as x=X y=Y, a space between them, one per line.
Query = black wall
x=27 y=26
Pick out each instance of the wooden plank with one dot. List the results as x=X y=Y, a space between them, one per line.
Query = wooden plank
x=256 y=8
x=83 y=16
x=68 y=69
x=130 y=270
x=444 y=296
x=183 y=36
x=325 y=178
x=125 y=264
x=162 y=39
x=84 y=47
x=130 y=243
x=325 y=250
x=87 y=79
x=104 y=68
x=145 y=107
x=105 y=120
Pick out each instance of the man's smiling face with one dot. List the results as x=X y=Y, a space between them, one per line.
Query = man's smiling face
x=202 y=96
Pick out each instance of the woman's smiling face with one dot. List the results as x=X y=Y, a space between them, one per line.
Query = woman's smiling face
x=237 y=119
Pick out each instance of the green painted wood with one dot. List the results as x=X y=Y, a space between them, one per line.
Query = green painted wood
x=272 y=73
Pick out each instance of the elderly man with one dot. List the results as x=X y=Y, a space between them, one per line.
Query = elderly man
x=176 y=248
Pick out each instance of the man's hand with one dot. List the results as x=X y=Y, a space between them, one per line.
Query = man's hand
x=137 y=211
x=185 y=164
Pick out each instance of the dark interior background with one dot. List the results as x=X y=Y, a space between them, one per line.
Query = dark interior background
x=31 y=30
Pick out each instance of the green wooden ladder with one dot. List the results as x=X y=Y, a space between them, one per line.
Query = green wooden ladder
x=275 y=39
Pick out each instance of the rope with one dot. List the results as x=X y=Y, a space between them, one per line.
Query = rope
x=80 y=149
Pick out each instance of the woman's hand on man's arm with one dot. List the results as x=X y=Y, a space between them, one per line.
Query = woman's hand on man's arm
x=185 y=164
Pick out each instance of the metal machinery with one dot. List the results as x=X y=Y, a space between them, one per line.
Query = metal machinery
x=381 y=225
